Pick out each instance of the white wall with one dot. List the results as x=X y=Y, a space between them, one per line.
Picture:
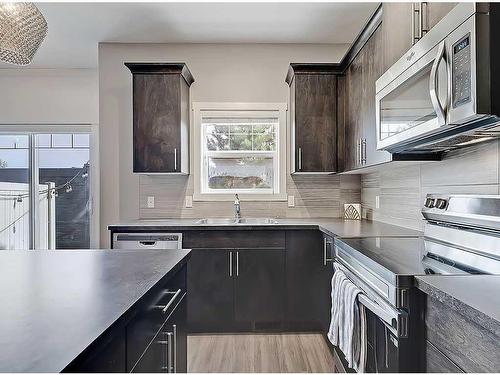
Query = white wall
x=49 y=96
x=232 y=73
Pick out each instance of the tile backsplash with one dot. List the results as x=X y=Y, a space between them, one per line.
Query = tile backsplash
x=315 y=196
x=401 y=188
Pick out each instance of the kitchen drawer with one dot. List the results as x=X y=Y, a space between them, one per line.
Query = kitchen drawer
x=437 y=362
x=233 y=239
x=467 y=344
x=167 y=351
x=148 y=321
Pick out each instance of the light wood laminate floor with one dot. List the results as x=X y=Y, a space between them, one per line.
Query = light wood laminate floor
x=303 y=352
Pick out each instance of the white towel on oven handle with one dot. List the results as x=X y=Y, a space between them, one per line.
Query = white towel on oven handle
x=348 y=321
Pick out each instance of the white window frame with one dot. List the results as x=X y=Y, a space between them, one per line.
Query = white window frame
x=40 y=128
x=201 y=109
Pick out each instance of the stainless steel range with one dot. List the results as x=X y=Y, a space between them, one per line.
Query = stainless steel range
x=461 y=236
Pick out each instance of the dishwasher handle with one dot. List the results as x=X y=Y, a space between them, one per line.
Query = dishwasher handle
x=147 y=243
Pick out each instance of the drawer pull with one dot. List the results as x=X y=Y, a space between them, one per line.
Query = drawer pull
x=166 y=307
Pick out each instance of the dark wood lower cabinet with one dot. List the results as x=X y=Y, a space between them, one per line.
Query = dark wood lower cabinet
x=275 y=280
x=108 y=355
x=167 y=352
x=151 y=338
x=308 y=278
x=210 y=290
x=259 y=285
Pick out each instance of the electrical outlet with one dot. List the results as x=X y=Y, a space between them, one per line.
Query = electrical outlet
x=151 y=202
x=291 y=201
x=189 y=201
x=377 y=201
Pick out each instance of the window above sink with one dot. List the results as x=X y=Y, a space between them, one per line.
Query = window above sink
x=239 y=148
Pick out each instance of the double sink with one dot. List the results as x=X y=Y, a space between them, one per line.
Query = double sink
x=234 y=221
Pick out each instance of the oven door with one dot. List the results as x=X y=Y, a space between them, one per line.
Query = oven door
x=387 y=329
x=414 y=104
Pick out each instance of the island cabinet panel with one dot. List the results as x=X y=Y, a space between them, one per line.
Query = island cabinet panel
x=167 y=352
x=147 y=338
x=313 y=107
x=107 y=355
x=469 y=346
x=160 y=117
x=308 y=278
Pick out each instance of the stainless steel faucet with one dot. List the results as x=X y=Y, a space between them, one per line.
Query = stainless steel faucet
x=237 y=210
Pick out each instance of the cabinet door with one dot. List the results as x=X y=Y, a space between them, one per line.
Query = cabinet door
x=157 y=135
x=316 y=122
x=436 y=11
x=176 y=325
x=210 y=290
x=396 y=30
x=353 y=120
x=155 y=357
x=259 y=287
x=309 y=273
x=372 y=61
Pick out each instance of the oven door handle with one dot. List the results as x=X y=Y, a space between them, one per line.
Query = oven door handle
x=395 y=321
x=434 y=86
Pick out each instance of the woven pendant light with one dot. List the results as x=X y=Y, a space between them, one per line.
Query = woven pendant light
x=22 y=30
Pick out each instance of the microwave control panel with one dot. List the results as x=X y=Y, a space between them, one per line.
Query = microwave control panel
x=461 y=71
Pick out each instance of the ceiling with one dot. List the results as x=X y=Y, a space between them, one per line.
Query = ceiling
x=75 y=29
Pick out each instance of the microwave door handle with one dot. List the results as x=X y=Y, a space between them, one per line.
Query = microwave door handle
x=433 y=86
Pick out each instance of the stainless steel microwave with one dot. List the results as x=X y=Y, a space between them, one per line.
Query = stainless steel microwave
x=445 y=92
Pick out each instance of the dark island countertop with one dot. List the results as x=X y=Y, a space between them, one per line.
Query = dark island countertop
x=54 y=304
x=333 y=227
x=476 y=297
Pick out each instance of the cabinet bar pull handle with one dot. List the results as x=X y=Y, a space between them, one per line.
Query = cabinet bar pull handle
x=300 y=158
x=416 y=30
x=165 y=308
x=359 y=151
x=237 y=263
x=363 y=151
x=175 y=159
x=169 y=352
x=174 y=328
x=424 y=21
x=325 y=252
x=230 y=264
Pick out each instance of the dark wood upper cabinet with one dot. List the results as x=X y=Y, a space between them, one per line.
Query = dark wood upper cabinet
x=397 y=25
x=160 y=117
x=313 y=116
x=360 y=148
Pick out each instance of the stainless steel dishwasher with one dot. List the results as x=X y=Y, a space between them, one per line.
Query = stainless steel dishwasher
x=149 y=241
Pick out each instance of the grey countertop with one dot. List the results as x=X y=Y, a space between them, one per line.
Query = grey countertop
x=54 y=304
x=333 y=227
x=477 y=297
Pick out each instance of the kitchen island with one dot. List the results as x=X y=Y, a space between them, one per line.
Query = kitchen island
x=59 y=308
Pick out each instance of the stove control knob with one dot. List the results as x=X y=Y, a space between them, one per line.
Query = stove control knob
x=441 y=204
x=429 y=203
